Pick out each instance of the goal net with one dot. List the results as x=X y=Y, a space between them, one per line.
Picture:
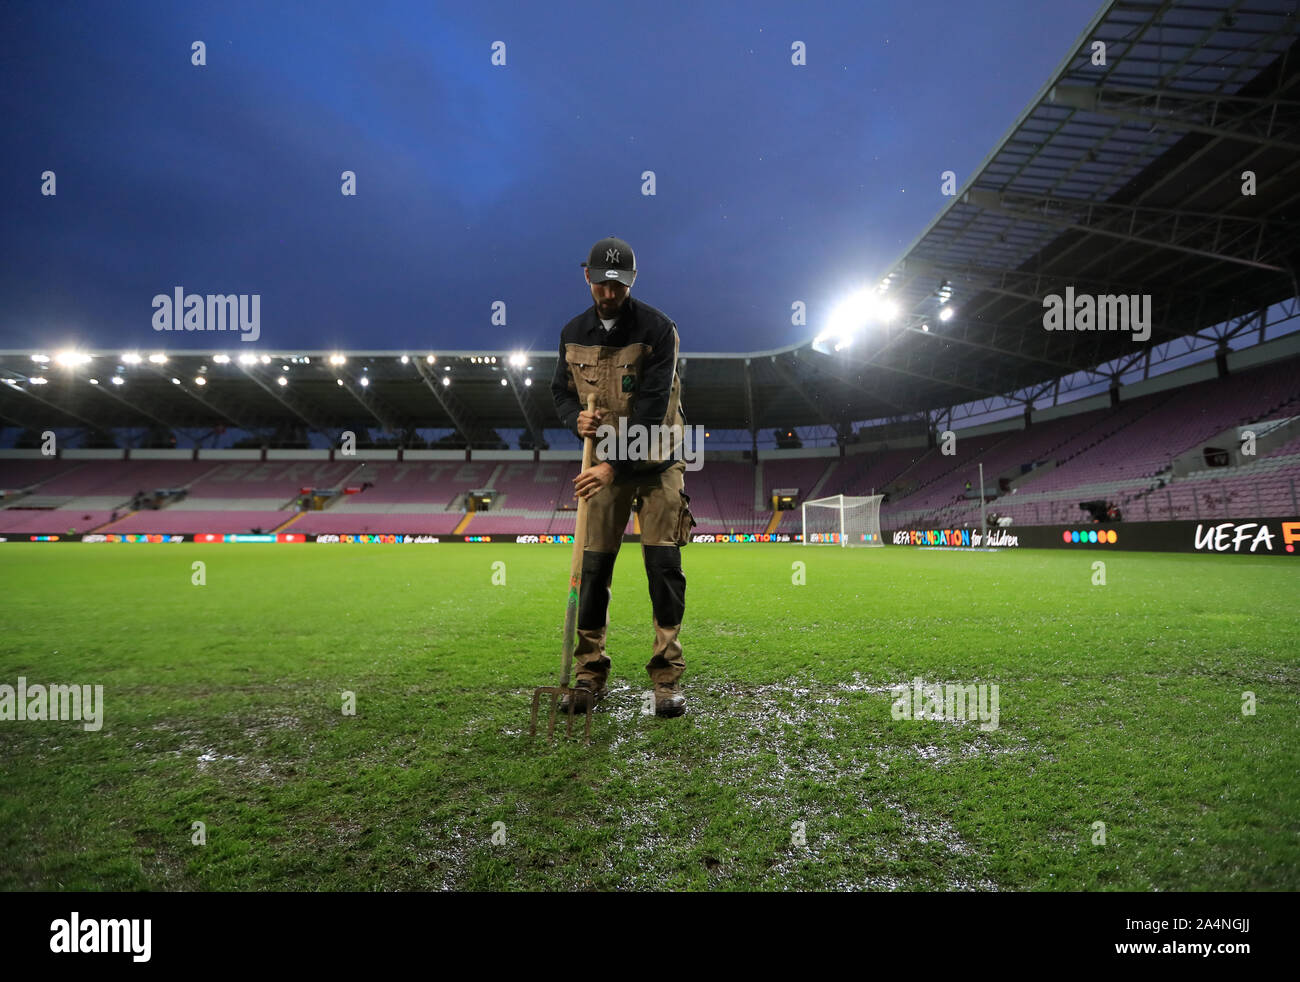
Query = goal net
x=842 y=520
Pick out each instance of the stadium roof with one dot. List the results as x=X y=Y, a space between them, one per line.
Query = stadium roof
x=1118 y=178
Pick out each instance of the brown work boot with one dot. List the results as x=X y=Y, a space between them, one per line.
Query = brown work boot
x=669 y=700
x=584 y=695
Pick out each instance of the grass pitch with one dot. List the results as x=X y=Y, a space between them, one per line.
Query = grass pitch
x=1119 y=704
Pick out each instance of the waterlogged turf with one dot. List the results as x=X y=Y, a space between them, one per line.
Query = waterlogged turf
x=223 y=704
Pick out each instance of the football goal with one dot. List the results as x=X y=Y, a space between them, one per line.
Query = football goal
x=842 y=520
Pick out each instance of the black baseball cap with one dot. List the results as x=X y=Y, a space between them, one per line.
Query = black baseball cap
x=611 y=259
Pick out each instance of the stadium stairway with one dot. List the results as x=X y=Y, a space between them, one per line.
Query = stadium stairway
x=343 y=481
x=29 y=490
x=897 y=481
x=330 y=502
x=107 y=526
x=1103 y=429
x=898 y=504
x=103 y=525
x=816 y=491
x=284 y=525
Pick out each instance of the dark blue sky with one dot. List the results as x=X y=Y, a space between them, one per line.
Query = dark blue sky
x=478 y=183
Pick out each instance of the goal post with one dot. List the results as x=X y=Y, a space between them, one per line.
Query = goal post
x=843 y=520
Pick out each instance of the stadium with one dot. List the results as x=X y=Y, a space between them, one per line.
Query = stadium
x=318 y=585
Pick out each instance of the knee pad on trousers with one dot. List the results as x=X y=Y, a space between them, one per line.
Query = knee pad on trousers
x=593 y=597
x=663 y=567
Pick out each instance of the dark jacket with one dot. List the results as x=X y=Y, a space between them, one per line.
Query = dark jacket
x=632 y=370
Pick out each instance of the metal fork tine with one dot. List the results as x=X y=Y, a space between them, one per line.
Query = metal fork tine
x=555 y=692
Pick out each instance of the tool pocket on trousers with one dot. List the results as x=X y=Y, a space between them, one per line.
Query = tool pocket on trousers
x=685 y=521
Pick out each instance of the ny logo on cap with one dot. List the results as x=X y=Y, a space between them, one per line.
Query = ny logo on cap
x=611 y=256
